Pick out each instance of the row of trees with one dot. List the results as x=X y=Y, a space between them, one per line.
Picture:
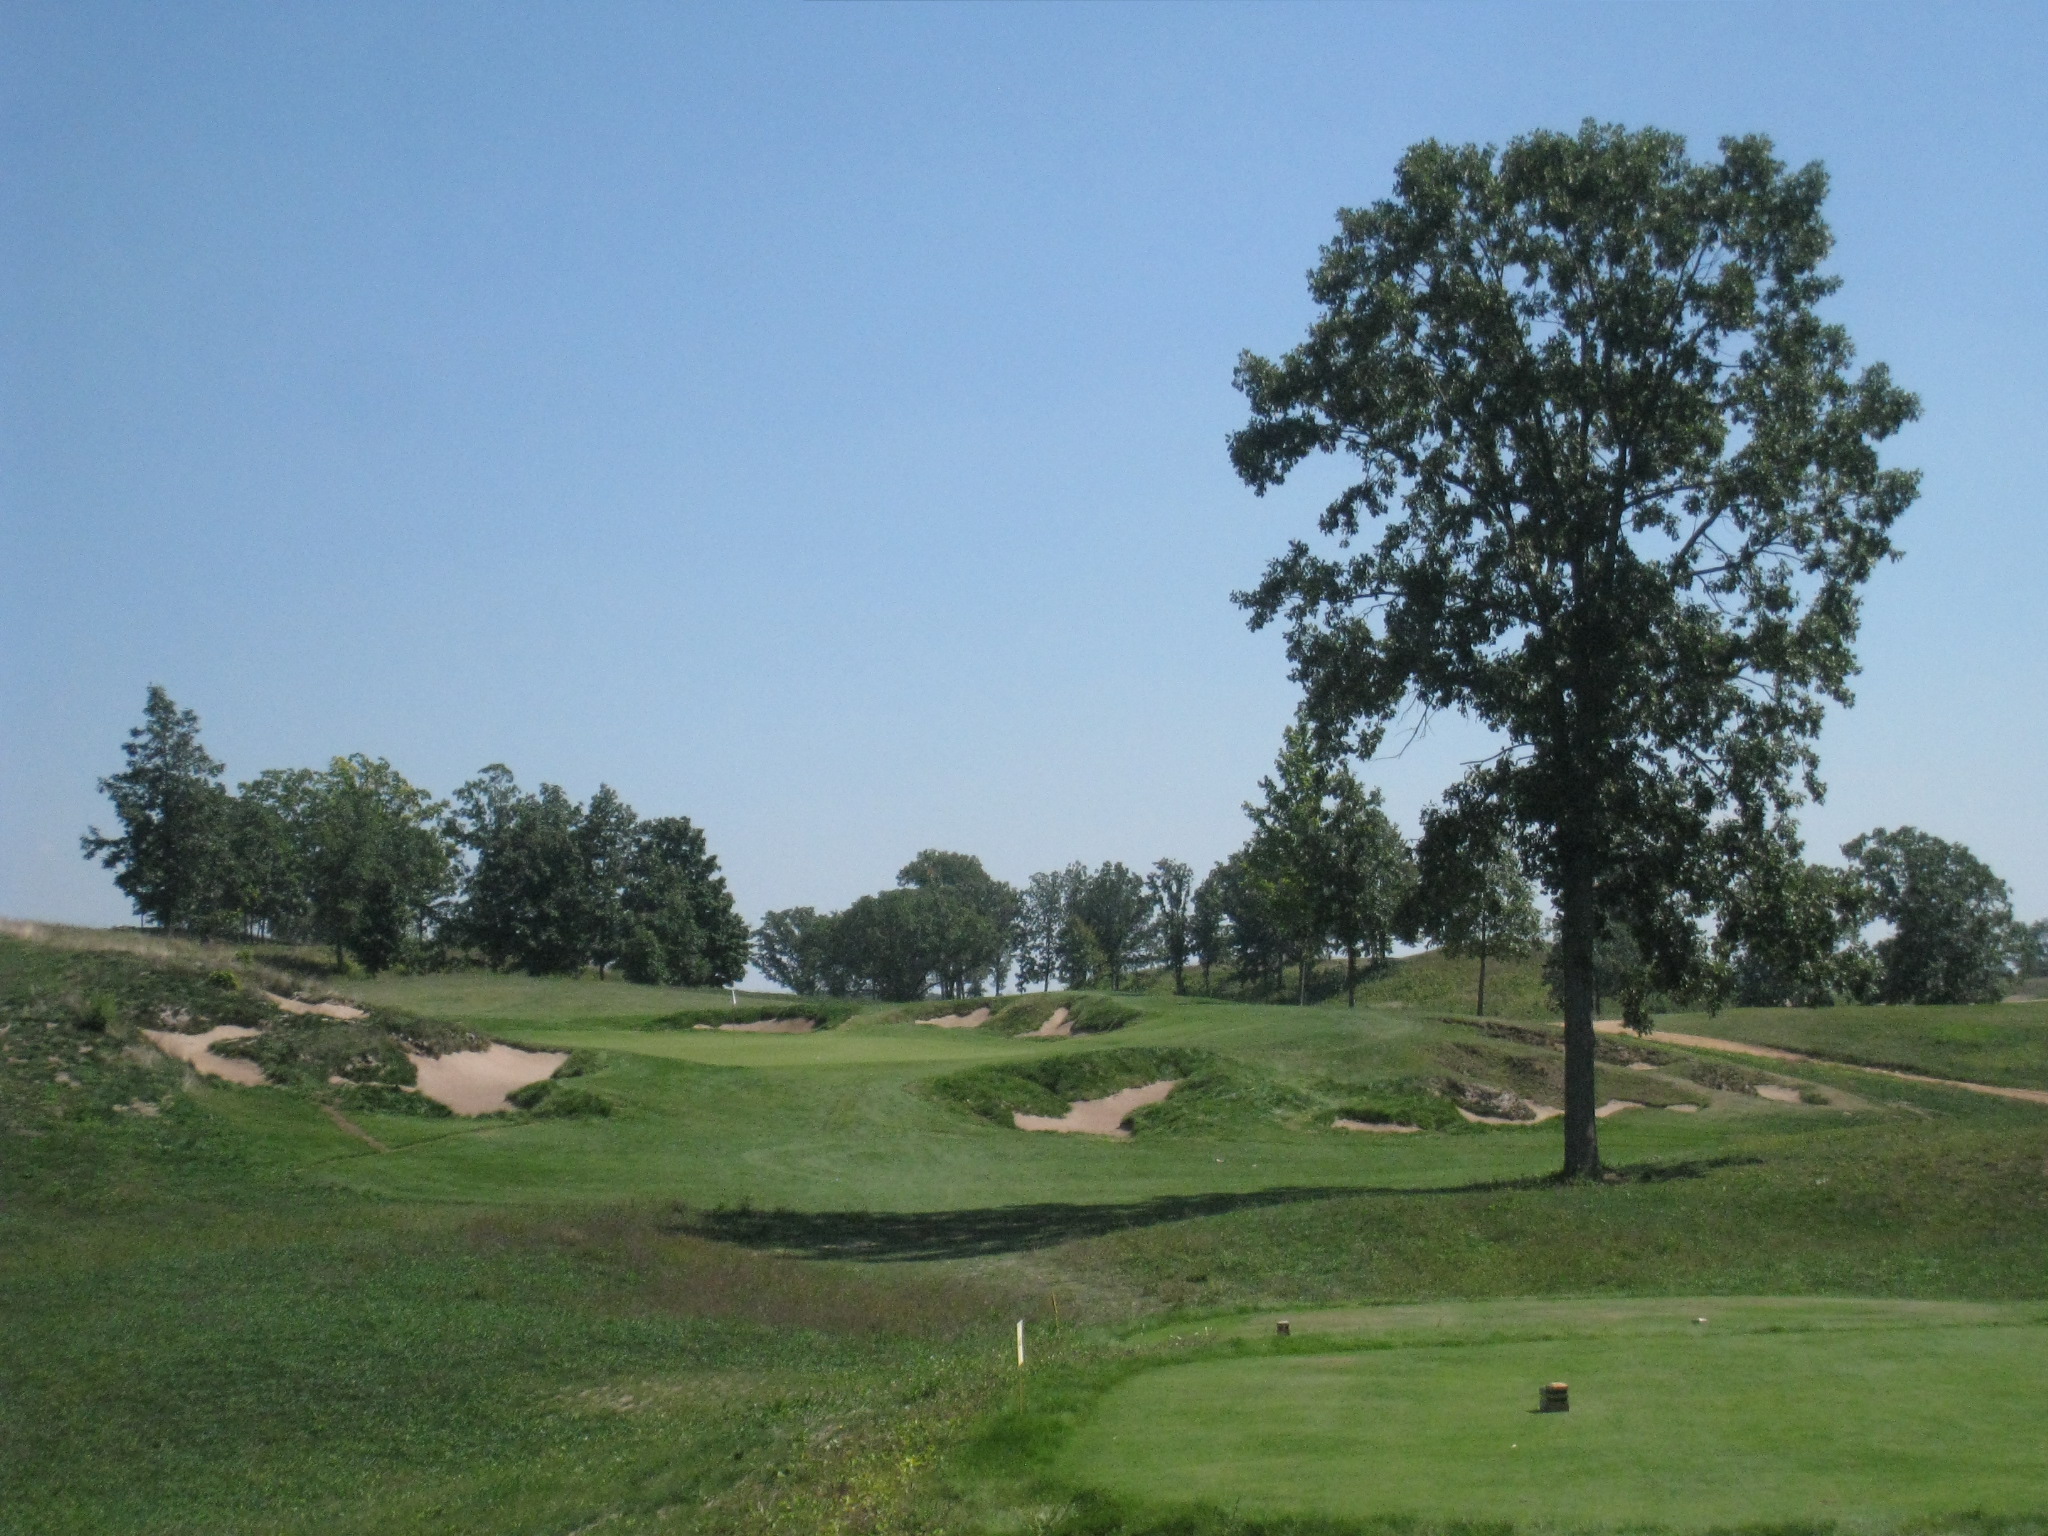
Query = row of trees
x=355 y=856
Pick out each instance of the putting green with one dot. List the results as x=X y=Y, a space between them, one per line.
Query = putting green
x=1771 y=1411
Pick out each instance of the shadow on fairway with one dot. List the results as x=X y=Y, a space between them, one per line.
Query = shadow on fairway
x=915 y=1235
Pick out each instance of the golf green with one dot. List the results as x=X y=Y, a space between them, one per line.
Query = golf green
x=1763 y=1413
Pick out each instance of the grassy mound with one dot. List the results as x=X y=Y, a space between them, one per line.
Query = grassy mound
x=823 y=1012
x=1088 y=1013
x=1047 y=1087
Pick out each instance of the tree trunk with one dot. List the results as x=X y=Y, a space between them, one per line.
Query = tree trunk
x=1581 y=1127
x=1178 y=989
x=1482 y=965
x=1351 y=976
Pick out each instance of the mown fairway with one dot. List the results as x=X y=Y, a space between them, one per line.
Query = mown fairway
x=774 y=1288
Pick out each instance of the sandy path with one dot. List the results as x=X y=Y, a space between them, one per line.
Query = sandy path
x=476 y=1082
x=196 y=1051
x=1772 y=1053
x=1058 y=1027
x=324 y=1010
x=773 y=1027
x=1100 y=1117
x=1379 y=1126
x=972 y=1020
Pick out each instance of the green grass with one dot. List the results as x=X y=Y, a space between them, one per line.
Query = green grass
x=1765 y=1413
x=772 y=1288
x=2003 y=1043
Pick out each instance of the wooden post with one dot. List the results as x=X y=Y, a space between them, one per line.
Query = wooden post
x=1556 y=1398
x=1283 y=1328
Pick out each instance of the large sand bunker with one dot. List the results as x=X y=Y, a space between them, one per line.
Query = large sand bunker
x=1100 y=1117
x=1058 y=1027
x=972 y=1020
x=324 y=1010
x=476 y=1082
x=196 y=1051
x=773 y=1027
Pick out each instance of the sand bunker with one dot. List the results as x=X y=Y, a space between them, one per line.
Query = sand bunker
x=324 y=1010
x=1615 y=1107
x=1683 y=1109
x=773 y=1027
x=1542 y=1113
x=196 y=1051
x=476 y=1082
x=972 y=1020
x=1380 y=1126
x=1777 y=1094
x=1100 y=1117
x=1058 y=1027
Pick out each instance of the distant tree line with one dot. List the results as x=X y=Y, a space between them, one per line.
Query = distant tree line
x=356 y=857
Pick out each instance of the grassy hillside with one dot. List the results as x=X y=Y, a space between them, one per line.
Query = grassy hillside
x=776 y=1288
x=1432 y=980
x=2004 y=1043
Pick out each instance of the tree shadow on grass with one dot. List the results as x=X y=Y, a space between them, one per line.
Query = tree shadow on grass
x=906 y=1236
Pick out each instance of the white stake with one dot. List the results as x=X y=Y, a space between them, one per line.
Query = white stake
x=1020 y=1341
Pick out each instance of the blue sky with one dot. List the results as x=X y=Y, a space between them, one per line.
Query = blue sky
x=810 y=419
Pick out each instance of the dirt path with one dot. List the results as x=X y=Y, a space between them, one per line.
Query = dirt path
x=772 y=1027
x=1100 y=1117
x=1773 y=1053
x=196 y=1051
x=343 y=1123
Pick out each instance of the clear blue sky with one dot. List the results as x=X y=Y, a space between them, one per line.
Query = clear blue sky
x=810 y=419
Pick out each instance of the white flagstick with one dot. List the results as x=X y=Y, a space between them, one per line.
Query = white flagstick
x=1020 y=1341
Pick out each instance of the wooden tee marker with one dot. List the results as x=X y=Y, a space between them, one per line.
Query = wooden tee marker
x=1283 y=1328
x=1556 y=1398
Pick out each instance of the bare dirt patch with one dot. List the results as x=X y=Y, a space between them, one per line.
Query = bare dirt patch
x=1379 y=1127
x=768 y=1027
x=972 y=1020
x=323 y=1010
x=1099 y=1117
x=196 y=1051
x=476 y=1082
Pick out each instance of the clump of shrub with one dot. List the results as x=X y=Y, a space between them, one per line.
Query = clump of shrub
x=1724 y=1075
x=97 y=1014
x=224 y=981
x=1401 y=1104
x=823 y=1012
x=385 y=1099
x=552 y=1100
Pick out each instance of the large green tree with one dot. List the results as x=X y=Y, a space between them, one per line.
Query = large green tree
x=1471 y=896
x=377 y=859
x=171 y=856
x=1627 y=488
x=1171 y=885
x=1951 y=917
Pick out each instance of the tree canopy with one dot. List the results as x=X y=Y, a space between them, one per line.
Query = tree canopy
x=1627 y=487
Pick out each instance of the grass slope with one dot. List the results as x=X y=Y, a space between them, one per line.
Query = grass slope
x=773 y=1289
x=2003 y=1043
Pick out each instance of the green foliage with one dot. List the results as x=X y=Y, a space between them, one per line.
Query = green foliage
x=555 y=885
x=1677 y=559
x=381 y=1098
x=1091 y=1013
x=792 y=947
x=1951 y=917
x=226 y=981
x=1402 y=1104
